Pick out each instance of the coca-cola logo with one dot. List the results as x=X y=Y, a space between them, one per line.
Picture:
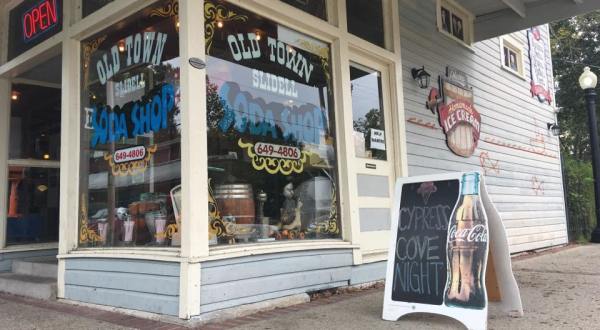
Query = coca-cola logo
x=476 y=234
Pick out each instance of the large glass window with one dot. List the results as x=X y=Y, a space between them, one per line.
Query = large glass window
x=130 y=142
x=271 y=151
x=34 y=123
x=33 y=170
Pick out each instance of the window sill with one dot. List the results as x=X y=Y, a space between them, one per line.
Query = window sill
x=513 y=72
x=29 y=247
x=462 y=43
x=144 y=253
x=215 y=253
x=242 y=250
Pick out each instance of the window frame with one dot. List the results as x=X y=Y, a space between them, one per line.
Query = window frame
x=512 y=44
x=456 y=10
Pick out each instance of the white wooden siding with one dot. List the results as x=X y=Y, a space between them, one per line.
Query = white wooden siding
x=526 y=184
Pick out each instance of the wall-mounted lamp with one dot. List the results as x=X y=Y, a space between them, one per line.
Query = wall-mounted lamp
x=554 y=128
x=421 y=76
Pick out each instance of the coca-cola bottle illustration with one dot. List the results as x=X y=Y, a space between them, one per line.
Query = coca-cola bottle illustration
x=467 y=248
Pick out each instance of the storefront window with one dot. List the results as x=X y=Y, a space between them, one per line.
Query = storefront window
x=32 y=215
x=130 y=142
x=90 y=6
x=34 y=123
x=33 y=170
x=365 y=20
x=367 y=113
x=271 y=151
x=316 y=8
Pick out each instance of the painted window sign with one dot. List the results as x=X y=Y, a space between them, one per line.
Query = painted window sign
x=39 y=19
x=32 y=22
x=136 y=118
x=138 y=52
x=541 y=73
x=271 y=150
x=130 y=141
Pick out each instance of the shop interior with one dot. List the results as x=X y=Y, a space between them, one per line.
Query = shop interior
x=34 y=155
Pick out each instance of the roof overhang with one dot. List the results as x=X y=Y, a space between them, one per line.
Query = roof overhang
x=498 y=17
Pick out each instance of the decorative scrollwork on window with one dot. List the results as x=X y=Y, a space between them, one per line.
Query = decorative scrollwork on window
x=214 y=17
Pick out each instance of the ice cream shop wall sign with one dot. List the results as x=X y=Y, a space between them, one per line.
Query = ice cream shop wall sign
x=32 y=22
x=541 y=73
x=457 y=115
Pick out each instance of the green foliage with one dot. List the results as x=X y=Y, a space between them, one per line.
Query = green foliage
x=575 y=44
x=580 y=194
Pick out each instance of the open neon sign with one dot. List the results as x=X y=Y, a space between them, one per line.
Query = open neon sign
x=42 y=17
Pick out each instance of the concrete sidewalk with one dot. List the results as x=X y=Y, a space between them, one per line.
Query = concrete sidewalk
x=559 y=289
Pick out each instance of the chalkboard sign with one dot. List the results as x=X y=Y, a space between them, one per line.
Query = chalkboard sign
x=443 y=228
x=420 y=259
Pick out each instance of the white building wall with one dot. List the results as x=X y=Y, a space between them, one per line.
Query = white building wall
x=518 y=155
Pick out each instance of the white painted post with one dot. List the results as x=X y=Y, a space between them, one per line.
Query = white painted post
x=398 y=100
x=194 y=164
x=347 y=172
x=4 y=135
x=69 y=146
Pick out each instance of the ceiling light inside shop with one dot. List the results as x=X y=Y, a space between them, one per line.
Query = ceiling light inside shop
x=14 y=96
x=122 y=46
x=46 y=156
x=219 y=24
x=42 y=188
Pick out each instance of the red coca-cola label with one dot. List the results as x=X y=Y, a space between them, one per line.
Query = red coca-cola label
x=475 y=234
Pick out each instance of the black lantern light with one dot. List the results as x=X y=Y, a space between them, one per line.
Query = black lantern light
x=421 y=76
x=554 y=128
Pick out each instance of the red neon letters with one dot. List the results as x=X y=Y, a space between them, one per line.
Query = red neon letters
x=39 y=19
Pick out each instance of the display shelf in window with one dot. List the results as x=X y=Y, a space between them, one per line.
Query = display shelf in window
x=455 y=22
x=511 y=55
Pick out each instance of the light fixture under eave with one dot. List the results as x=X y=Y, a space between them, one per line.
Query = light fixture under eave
x=121 y=46
x=421 y=76
x=554 y=128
